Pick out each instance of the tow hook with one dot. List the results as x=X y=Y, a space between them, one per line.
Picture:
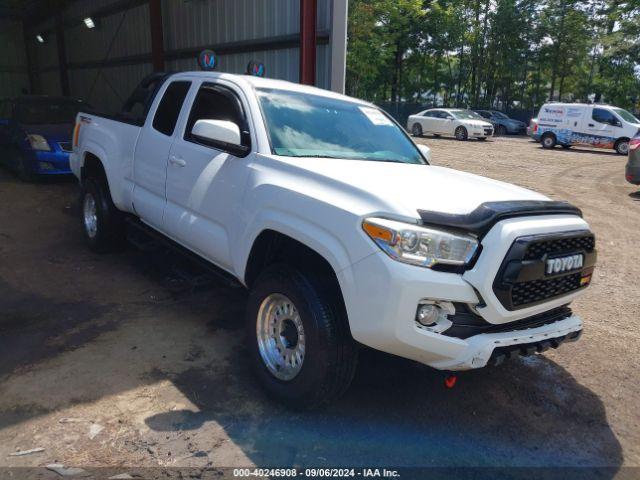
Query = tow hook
x=450 y=381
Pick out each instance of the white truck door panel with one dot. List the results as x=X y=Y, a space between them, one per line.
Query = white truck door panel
x=205 y=184
x=152 y=152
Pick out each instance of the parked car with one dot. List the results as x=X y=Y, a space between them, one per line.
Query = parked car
x=599 y=126
x=532 y=129
x=327 y=211
x=632 y=171
x=35 y=133
x=502 y=124
x=449 y=121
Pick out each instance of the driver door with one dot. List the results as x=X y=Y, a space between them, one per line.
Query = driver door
x=205 y=181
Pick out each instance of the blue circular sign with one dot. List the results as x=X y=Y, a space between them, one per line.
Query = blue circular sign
x=255 y=68
x=207 y=60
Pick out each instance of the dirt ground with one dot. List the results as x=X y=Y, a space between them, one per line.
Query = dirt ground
x=124 y=360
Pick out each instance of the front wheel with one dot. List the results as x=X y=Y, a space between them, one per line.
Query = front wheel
x=102 y=222
x=622 y=146
x=461 y=133
x=298 y=338
x=416 y=130
x=500 y=131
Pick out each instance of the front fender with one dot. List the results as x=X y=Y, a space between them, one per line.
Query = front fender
x=299 y=228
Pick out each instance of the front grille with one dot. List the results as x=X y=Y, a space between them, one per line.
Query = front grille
x=65 y=146
x=537 y=290
x=488 y=131
x=522 y=280
x=537 y=250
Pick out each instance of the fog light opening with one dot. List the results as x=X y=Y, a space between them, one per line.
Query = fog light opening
x=433 y=315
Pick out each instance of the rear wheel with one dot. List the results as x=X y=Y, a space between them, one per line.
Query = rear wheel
x=548 y=140
x=298 y=338
x=501 y=130
x=102 y=222
x=622 y=146
x=416 y=130
x=461 y=133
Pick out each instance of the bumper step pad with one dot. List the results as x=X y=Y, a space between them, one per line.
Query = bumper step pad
x=501 y=354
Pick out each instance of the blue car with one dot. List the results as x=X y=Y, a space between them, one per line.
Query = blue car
x=35 y=134
x=502 y=124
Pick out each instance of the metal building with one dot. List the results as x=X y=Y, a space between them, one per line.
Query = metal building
x=100 y=49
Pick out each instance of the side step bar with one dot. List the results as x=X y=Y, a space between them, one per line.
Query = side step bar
x=147 y=239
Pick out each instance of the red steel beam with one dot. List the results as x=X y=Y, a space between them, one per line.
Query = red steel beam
x=308 y=20
x=157 y=36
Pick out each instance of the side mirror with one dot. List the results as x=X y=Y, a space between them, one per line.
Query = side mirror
x=425 y=151
x=217 y=131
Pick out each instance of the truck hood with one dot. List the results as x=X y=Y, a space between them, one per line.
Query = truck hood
x=405 y=188
x=475 y=123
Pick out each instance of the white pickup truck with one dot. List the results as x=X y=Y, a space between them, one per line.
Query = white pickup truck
x=324 y=208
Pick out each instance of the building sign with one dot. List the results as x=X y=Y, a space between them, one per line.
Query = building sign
x=256 y=69
x=207 y=60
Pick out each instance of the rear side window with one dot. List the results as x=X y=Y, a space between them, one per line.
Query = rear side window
x=604 y=116
x=169 y=108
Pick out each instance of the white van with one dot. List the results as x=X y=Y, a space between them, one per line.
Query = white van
x=599 y=126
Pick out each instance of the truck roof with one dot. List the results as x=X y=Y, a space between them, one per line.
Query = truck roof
x=270 y=83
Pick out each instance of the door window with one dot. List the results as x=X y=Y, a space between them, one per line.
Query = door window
x=214 y=102
x=169 y=108
x=604 y=116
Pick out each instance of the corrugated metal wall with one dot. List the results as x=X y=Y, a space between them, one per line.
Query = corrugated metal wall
x=187 y=24
x=13 y=62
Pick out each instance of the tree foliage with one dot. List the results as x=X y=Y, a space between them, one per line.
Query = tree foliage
x=495 y=53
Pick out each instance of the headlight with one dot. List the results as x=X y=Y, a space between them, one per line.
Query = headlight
x=420 y=245
x=38 y=142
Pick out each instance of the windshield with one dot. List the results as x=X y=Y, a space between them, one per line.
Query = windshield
x=466 y=115
x=627 y=116
x=303 y=125
x=48 y=111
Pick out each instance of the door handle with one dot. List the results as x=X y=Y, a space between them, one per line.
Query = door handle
x=591 y=124
x=178 y=162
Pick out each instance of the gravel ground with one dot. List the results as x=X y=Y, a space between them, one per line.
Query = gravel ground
x=124 y=360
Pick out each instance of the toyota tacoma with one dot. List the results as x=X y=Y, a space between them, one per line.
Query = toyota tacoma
x=324 y=208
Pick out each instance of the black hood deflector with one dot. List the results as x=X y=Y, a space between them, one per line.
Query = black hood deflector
x=483 y=218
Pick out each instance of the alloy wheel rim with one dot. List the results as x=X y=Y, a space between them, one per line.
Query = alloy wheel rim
x=90 y=215
x=280 y=335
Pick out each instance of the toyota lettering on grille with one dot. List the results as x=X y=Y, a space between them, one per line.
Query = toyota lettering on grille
x=564 y=264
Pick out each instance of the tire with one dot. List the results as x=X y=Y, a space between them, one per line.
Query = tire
x=330 y=354
x=622 y=146
x=482 y=139
x=548 y=141
x=22 y=169
x=501 y=131
x=461 y=133
x=102 y=223
x=416 y=130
